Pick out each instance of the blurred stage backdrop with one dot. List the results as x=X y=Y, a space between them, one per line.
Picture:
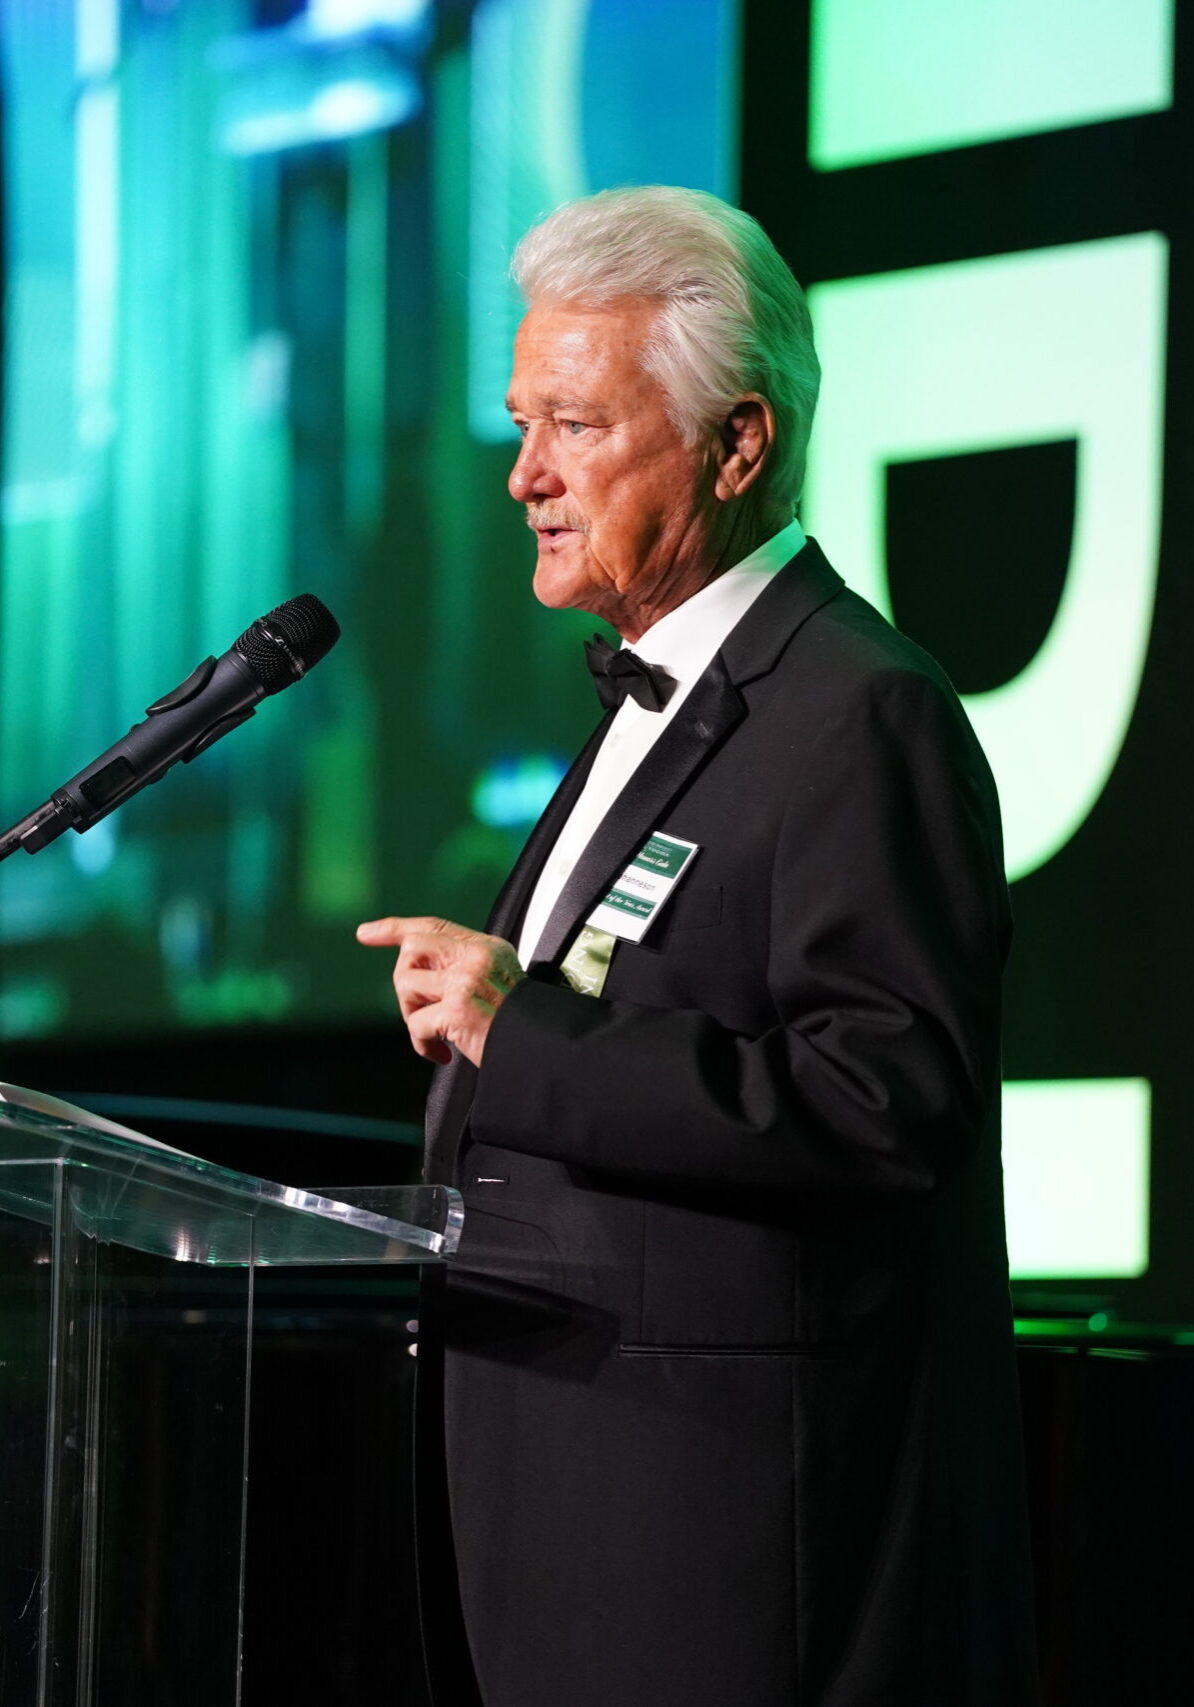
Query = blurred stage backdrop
x=257 y=334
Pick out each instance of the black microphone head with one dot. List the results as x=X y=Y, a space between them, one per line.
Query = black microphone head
x=285 y=643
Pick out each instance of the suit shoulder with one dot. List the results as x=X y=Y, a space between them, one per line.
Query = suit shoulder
x=870 y=642
x=859 y=644
x=839 y=658
x=850 y=668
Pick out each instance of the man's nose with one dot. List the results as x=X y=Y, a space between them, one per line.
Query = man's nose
x=533 y=475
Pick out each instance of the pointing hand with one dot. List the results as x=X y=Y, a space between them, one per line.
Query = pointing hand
x=449 y=982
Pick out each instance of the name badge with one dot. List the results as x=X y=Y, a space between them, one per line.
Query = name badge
x=644 y=888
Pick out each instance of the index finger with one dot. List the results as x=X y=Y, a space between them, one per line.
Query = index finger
x=390 y=933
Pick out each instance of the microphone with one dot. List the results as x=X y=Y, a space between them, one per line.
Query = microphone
x=274 y=652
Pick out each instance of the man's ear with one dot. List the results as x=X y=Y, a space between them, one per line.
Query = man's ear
x=747 y=435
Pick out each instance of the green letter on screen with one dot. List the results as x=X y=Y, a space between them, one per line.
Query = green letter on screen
x=1050 y=344
x=897 y=77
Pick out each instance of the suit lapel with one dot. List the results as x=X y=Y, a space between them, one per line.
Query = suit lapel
x=714 y=706
x=756 y=644
x=710 y=712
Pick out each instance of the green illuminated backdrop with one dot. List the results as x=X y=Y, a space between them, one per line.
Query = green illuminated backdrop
x=258 y=333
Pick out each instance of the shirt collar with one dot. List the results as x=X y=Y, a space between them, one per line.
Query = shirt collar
x=685 y=640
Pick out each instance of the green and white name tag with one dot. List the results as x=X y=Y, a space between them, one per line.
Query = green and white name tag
x=644 y=888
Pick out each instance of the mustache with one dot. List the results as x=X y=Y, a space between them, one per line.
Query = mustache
x=543 y=517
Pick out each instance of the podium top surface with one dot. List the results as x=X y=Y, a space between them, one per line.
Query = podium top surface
x=120 y=1186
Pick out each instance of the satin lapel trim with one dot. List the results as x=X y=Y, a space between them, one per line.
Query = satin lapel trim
x=802 y=586
x=712 y=708
x=506 y=913
x=799 y=589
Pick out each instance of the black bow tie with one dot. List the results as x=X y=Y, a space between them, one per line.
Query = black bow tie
x=617 y=672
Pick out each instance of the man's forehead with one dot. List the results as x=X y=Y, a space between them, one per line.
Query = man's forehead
x=568 y=354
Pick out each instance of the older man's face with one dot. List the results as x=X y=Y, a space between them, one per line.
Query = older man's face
x=622 y=509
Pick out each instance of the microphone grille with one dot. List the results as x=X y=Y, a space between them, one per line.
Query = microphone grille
x=287 y=642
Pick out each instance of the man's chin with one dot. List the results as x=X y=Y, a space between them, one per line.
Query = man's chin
x=561 y=588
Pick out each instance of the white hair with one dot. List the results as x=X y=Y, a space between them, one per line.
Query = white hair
x=732 y=318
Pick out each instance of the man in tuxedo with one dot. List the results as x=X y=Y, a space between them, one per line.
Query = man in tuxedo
x=728 y=1395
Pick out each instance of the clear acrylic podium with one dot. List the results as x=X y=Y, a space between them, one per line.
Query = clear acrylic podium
x=126 y=1333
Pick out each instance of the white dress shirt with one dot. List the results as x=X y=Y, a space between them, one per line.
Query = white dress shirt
x=685 y=642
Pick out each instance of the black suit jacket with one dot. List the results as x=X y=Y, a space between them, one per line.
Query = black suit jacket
x=728 y=1395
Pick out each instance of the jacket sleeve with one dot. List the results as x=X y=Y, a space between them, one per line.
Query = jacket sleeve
x=888 y=932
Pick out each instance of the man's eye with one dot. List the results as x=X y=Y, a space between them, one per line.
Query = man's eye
x=523 y=428
x=575 y=427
